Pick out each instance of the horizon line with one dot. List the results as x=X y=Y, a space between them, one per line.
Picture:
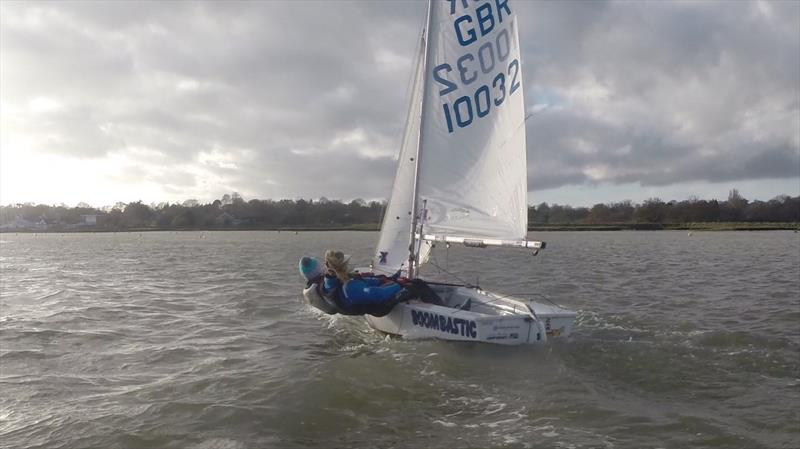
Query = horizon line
x=343 y=201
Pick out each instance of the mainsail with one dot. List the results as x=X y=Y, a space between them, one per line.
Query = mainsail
x=467 y=103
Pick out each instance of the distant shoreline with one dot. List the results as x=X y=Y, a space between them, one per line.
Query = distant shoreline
x=715 y=226
x=712 y=226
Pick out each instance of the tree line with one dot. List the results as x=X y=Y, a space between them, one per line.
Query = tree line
x=781 y=209
x=232 y=211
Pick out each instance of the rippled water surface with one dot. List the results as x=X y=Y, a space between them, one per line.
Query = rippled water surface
x=200 y=340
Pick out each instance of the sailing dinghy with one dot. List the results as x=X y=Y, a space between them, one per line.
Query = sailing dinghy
x=462 y=177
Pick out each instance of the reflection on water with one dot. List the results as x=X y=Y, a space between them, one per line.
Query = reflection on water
x=201 y=340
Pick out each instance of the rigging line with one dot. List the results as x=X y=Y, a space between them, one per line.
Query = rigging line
x=496 y=296
x=414 y=76
x=432 y=261
x=417 y=158
x=539 y=295
x=447 y=255
x=531 y=114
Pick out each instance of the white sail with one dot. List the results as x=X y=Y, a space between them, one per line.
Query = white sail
x=473 y=173
x=467 y=102
x=393 y=244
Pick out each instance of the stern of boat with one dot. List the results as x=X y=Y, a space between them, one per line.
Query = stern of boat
x=558 y=321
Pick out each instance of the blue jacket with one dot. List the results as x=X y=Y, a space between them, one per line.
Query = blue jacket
x=361 y=291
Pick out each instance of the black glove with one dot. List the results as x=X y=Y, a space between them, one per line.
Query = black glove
x=418 y=283
x=406 y=294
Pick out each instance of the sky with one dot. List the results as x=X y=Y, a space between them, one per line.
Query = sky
x=103 y=102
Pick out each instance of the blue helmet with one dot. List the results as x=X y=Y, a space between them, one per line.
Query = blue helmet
x=311 y=268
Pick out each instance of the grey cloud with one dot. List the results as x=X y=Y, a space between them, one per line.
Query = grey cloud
x=175 y=179
x=692 y=90
x=770 y=163
x=697 y=91
x=282 y=173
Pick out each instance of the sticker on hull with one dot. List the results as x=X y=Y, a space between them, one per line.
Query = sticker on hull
x=446 y=324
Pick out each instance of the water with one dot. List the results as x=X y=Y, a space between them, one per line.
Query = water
x=200 y=340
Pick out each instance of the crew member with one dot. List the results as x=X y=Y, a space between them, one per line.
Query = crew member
x=339 y=291
x=359 y=295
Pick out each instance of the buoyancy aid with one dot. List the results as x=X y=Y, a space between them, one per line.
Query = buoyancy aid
x=336 y=294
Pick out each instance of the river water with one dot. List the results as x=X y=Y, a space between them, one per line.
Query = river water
x=200 y=340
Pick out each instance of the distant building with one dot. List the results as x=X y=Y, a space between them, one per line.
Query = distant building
x=21 y=223
x=226 y=219
x=248 y=220
x=89 y=220
x=18 y=223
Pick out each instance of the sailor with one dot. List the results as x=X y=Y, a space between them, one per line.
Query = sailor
x=359 y=295
x=314 y=272
x=356 y=295
x=333 y=289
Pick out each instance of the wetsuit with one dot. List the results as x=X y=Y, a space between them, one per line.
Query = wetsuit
x=363 y=295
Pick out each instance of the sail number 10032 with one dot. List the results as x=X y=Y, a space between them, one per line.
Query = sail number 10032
x=464 y=109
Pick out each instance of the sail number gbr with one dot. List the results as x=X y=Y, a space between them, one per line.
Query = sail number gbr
x=467 y=108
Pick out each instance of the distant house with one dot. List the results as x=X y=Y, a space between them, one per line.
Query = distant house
x=9 y=225
x=226 y=219
x=21 y=223
x=248 y=220
x=89 y=220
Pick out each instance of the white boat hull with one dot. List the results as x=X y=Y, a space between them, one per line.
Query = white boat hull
x=468 y=314
x=491 y=319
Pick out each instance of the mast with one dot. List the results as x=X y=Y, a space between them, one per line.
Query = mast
x=412 y=256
